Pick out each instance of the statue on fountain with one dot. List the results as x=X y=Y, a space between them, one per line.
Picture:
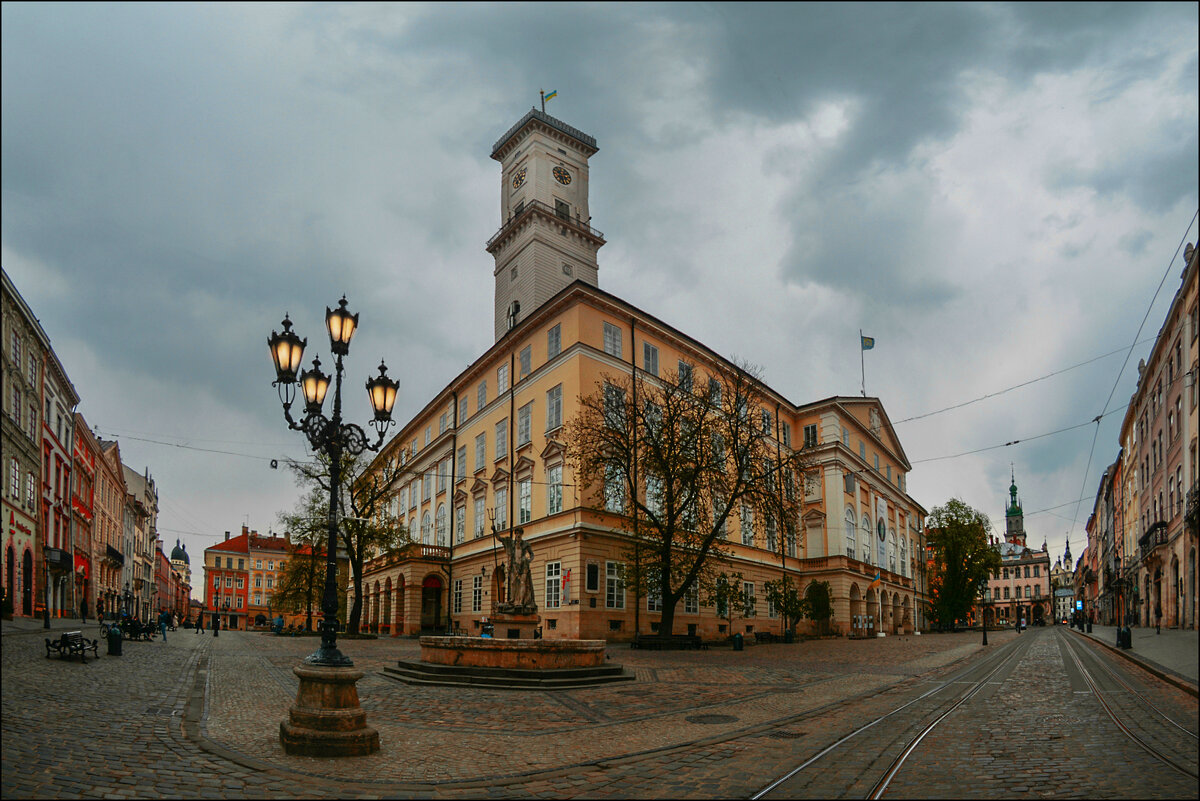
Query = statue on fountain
x=518 y=575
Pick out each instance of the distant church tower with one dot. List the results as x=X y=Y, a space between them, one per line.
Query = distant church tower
x=1014 y=517
x=545 y=241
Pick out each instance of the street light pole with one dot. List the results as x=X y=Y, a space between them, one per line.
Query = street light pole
x=327 y=678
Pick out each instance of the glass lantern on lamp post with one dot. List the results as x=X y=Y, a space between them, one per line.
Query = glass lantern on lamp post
x=330 y=436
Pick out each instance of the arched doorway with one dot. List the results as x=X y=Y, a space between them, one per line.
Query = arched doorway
x=399 y=622
x=897 y=614
x=385 y=620
x=1039 y=615
x=906 y=622
x=1176 y=588
x=431 y=604
x=27 y=584
x=858 y=611
x=881 y=622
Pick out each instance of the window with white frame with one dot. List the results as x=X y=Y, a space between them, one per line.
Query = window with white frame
x=479 y=515
x=649 y=358
x=748 y=597
x=865 y=539
x=614 y=406
x=771 y=531
x=553 y=585
x=850 y=526
x=460 y=523
x=427 y=485
x=501 y=379
x=747 y=525
x=654 y=494
x=458 y=592
x=481 y=396
x=481 y=451
x=443 y=422
x=892 y=550
x=612 y=340
x=810 y=435
x=462 y=410
x=524 y=500
x=554 y=341
x=441 y=525
x=476 y=593
x=554 y=490
x=426 y=528
x=685 y=375
x=501 y=508
x=904 y=556
x=525 y=360
x=502 y=439
x=653 y=601
x=614 y=585
x=460 y=463
x=525 y=424
x=718 y=504
x=554 y=408
x=614 y=489
x=443 y=475
x=428 y=435
x=691 y=600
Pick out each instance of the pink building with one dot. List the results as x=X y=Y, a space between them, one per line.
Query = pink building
x=1020 y=590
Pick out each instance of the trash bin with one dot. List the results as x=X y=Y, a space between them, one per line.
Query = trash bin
x=114 y=640
x=1089 y=627
x=1125 y=637
x=789 y=636
x=738 y=642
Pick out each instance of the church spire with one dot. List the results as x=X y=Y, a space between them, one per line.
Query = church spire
x=1014 y=523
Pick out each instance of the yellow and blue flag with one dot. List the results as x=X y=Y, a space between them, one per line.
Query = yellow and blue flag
x=550 y=94
x=876 y=582
x=867 y=342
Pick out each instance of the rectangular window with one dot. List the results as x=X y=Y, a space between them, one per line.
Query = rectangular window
x=501 y=509
x=649 y=358
x=877 y=463
x=612 y=340
x=785 y=430
x=428 y=435
x=810 y=436
x=748 y=597
x=258 y=582
x=685 y=376
x=614 y=489
x=481 y=396
x=443 y=475
x=553 y=585
x=554 y=490
x=525 y=424
x=501 y=379
x=481 y=452
x=554 y=341
x=691 y=600
x=765 y=420
x=862 y=450
x=258 y=564
x=427 y=486
x=654 y=601
x=593 y=577
x=460 y=523
x=216 y=581
x=460 y=467
x=241 y=583
x=442 y=423
x=554 y=408
x=476 y=593
x=270 y=583
x=525 y=360
x=747 y=523
x=479 y=516
x=462 y=411
x=614 y=406
x=457 y=596
x=502 y=439
x=239 y=602
x=614 y=585
x=524 y=501
x=241 y=564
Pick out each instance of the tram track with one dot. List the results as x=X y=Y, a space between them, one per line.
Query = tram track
x=1135 y=715
x=926 y=720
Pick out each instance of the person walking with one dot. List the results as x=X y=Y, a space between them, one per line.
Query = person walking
x=200 y=623
x=83 y=610
x=1158 y=617
x=162 y=623
x=216 y=627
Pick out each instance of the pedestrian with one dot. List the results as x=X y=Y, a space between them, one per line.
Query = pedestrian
x=83 y=610
x=200 y=623
x=216 y=626
x=1157 y=617
x=163 y=618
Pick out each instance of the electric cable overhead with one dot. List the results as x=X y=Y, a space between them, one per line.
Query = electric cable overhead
x=1017 y=441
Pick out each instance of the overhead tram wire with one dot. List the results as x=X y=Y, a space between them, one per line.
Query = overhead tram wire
x=1124 y=364
x=1016 y=441
x=187 y=447
x=1017 y=386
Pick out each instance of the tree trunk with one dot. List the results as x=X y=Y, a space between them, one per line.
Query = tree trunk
x=668 y=617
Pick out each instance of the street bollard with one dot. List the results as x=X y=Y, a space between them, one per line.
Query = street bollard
x=738 y=642
x=1089 y=627
x=114 y=641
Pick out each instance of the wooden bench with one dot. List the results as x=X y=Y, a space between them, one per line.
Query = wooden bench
x=71 y=643
x=765 y=636
x=668 y=642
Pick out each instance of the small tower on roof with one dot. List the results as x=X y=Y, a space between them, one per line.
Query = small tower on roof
x=1014 y=517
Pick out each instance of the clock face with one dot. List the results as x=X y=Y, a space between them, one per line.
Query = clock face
x=561 y=175
x=519 y=178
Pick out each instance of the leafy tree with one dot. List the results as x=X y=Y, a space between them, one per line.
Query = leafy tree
x=301 y=583
x=678 y=460
x=726 y=593
x=818 y=604
x=963 y=559
x=366 y=527
x=786 y=597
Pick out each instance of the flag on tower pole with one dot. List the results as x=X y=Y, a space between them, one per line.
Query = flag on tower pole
x=866 y=344
x=553 y=93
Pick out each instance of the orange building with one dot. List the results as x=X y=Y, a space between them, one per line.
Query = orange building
x=491 y=443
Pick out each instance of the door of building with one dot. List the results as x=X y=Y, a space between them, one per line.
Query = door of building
x=431 y=604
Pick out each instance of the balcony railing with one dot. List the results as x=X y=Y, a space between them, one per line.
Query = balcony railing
x=545 y=209
x=1156 y=536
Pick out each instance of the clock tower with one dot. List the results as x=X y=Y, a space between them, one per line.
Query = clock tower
x=546 y=240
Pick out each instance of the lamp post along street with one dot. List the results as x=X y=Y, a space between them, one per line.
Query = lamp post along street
x=327 y=694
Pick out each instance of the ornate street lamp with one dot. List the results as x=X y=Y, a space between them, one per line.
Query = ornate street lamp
x=312 y=733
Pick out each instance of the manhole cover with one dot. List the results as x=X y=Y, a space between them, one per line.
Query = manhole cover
x=711 y=719
x=786 y=735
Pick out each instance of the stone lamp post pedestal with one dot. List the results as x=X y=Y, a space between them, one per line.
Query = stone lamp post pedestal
x=327 y=719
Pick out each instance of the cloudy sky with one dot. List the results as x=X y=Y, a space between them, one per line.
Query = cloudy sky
x=993 y=192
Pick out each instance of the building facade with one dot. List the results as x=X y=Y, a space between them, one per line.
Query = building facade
x=1157 y=557
x=23 y=352
x=267 y=558
x=489 y=450
x=112 y=585
x=142 y=528
x=83 y=509
x=59 y=400
x=1020 y=589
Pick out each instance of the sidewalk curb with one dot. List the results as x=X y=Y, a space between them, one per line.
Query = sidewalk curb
x=1169 y=676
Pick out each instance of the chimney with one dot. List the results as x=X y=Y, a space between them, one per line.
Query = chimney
x=245 y=529
x=227 y=536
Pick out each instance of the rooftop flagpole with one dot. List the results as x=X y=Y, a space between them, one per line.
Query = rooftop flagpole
x=542 y=92
x=862 y=357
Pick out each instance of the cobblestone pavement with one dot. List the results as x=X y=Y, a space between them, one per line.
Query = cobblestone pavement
x=199 y=716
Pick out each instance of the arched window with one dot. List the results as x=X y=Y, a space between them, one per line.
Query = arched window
x=851 y=525
x=865 y=528
x=441 y=525
x=892 y=550
x=904 y=556
x=426 y=529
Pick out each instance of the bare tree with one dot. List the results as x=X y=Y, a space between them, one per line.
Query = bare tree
x=366 y=525
x=678 y=461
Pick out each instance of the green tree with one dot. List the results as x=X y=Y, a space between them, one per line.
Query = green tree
x=963 y=558
x=366 y=527
x=785 y=596
x=678 y=458
x=301 y=583
x=818 y=604
x=726 y=594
